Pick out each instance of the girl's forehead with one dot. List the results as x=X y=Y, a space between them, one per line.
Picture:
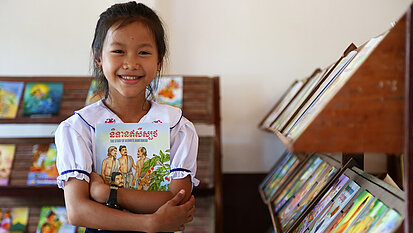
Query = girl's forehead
x=129 y=33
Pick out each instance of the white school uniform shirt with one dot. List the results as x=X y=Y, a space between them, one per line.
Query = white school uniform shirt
x=75 y=141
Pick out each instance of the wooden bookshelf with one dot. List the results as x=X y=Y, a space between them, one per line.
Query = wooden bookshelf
x=200 y=105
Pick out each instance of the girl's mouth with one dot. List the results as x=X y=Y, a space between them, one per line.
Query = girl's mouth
x=130 y=77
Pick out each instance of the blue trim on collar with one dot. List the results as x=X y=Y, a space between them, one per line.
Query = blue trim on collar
x=178 y=121
x=180 y=170
x=80 y=171
x=85 y=121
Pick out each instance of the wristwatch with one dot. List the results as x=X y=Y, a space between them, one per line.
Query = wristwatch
x=113 y=198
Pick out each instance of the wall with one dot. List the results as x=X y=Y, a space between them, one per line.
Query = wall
x=257 y=48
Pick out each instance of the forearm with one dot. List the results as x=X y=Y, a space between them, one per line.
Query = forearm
x=85 y=212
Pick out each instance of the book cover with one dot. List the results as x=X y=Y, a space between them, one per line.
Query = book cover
x=309 y=196
x=369 y=217
x=297 y=182
x=283 y=102
x=139 y=152
x=319 y=207
x=388 y=223
x=43 y=169
x=14 y=220
x=10 y=94
x=170 y=91
x=350 y=215
x=272 y=184
x=93 y=95
x=54 y=219
x=6 y=161
x=334 y=207
x=42 y=98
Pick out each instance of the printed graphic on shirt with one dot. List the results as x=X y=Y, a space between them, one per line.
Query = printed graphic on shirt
x=134 y=155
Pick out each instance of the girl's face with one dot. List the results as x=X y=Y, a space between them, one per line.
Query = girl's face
x=129 y=60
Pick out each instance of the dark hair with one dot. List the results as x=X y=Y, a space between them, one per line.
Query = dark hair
x=125 y=14
x=114 y=175
x=121 y=147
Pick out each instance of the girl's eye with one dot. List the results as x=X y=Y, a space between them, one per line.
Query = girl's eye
x=144 y=53
x=117 y=51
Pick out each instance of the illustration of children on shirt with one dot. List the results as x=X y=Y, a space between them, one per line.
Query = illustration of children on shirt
x=110 y=164
x=142 y=176
x=125 y=166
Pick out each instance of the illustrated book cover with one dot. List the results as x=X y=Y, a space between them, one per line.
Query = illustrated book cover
x=134 y=155
x=43 y=169
x=10 y=94
x=54 y=219
x=93 y=95
x=389 y=222
x=42 y=98
x=370 y=216
x=170 y=91
x=14 y=220
x=6 y=161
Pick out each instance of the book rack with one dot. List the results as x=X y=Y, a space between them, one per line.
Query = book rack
x=200 y=105
x=369 y=113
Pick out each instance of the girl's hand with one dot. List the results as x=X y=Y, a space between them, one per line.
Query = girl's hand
x=99 y=191
x=171 y=216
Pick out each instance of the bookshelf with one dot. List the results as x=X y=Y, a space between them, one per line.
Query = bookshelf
x=370 y=112
x=200 y=105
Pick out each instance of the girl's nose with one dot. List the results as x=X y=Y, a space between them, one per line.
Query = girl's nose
x=131 y=64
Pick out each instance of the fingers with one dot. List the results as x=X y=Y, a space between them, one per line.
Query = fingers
x=177 y=198
x=189 y=219
x=189 y=204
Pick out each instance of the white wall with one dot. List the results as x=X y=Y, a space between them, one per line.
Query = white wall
x=257 y=48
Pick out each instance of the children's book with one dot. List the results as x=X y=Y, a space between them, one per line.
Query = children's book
x=388 y=223
x=334 y=207
x=14 y=220
x=134 y=155
x=93 y=95
x=43 y=169
x=10 y=94
x=369 y=217
x=54 y=219
x=6 y=161
x=350 y=215
x=42 y=98
x=170 y=91
x=319 y=207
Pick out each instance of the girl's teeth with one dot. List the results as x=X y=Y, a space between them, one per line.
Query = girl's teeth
x=129 y=77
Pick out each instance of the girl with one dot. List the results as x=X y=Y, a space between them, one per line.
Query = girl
x=128 y=51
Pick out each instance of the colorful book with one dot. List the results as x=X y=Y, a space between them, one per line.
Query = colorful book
x=6 y=161
x=135 y=154
x=350 y=215
x=319 y=207
x=54 y=219
x=14 y=220
x=388 y=223
x=367 y=219
x=42 y=98
x=43 y=169
x=93 y=95
x=10 y=94
x=333 y=208
x=170 y=91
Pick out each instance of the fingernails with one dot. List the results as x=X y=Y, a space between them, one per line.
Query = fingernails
x=182 y=191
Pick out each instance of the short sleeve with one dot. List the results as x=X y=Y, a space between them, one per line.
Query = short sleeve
x=184 y=151
x=74 y=153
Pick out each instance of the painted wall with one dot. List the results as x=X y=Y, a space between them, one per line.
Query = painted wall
x=257 y=48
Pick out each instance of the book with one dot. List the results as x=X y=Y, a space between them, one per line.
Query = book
x=10 y=94
x=139 y=152
x=308 y=112
x=279 y=174
x=14 y=220
x=332 y=210
x=42 y=98
x=170 y=91
x=369 y=217
x=350 y=215
x=282 y=103
x=43 y=169
x=320 y=206
x=93 y=95
x=297 y=182
x=388 y=223
x=54 y=219
x=6 y=161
